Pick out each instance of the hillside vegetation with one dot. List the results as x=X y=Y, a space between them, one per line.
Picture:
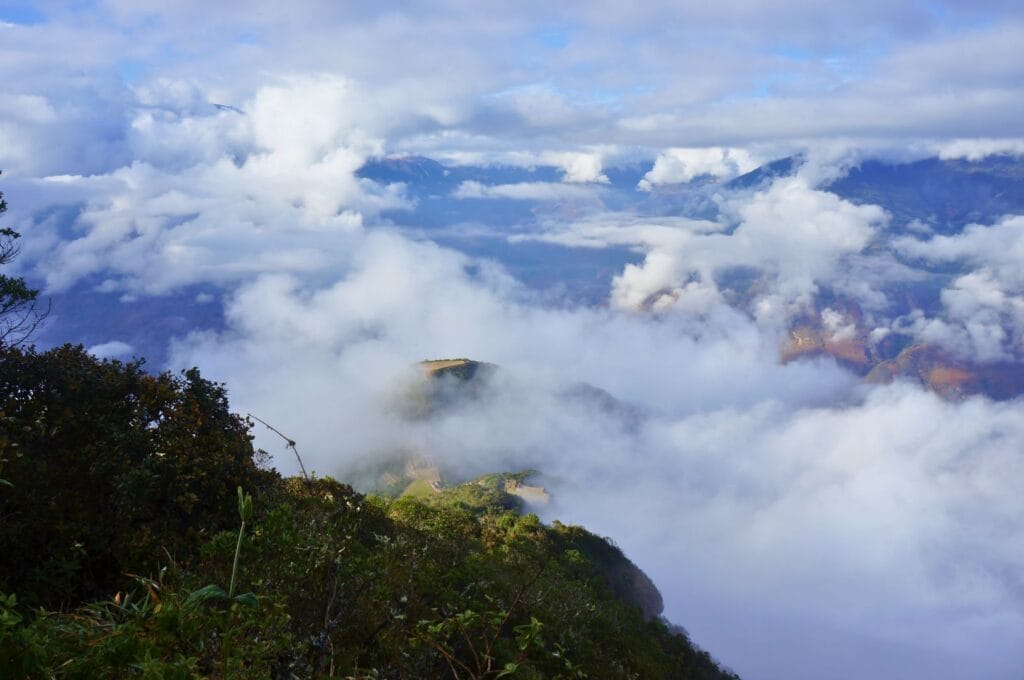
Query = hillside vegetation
x=141 y=537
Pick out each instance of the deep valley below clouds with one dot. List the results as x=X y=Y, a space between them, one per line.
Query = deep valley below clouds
x=787 y=257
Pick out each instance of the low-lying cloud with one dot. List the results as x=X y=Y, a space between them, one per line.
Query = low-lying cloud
x=748 y=489
x=682 y=165
x=984 y=307
x=524 y=191
x=797 y=236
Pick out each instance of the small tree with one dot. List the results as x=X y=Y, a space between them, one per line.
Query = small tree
x=20 y=313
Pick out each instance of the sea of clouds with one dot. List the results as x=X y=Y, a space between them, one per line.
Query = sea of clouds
x=799 y=523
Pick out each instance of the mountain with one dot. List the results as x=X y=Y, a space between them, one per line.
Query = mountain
x=949 y=376
x=765 y=174
x=178 y=556
x=443 y=387
x=899 y=357
x=926 y=197
x=946 y=194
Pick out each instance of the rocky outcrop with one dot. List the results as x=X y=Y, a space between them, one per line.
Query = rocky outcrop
x=533 y=495
x=949 y=376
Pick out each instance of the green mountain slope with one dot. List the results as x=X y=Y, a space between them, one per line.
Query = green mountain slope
x=123 y=554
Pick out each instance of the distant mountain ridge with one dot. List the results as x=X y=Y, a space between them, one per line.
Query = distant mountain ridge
x=924 y=197
x=945 y=194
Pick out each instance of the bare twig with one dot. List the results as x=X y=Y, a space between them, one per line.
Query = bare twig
x=289 y=441
x=448 y=656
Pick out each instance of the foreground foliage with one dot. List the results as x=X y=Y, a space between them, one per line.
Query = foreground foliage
x=126 y=524
x=110 y=468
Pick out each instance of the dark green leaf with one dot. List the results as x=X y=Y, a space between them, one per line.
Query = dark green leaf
x=205 y=594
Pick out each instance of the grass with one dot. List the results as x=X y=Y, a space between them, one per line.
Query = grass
x=419 y=488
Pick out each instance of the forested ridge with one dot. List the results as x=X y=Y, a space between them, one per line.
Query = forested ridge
x=141 y=535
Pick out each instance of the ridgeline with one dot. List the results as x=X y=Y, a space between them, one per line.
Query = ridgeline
x=142 y=536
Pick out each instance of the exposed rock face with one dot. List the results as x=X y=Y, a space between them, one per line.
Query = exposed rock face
x=447 y=382
x=949 y=376
x=534 y=495
x=929 y=367
x=835 y=331
x=838 y=332
x=809 y=341
x=459 y=369
x=421 y=467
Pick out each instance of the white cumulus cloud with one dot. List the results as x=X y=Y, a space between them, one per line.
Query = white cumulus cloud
x=677 y=165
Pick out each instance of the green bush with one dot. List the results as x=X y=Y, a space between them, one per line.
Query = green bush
x=109 y=467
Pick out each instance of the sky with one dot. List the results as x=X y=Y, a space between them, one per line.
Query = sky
x=799 y=523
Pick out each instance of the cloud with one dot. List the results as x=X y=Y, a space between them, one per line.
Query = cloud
x=976 y=149
x=665 y=75
x=800 y=525
x=219 y=196
x=540 y=106
x=579 y=167
x=871 y=518
x=797 y=236
x=115 y=349
x=984 y=307
x=402 y=301
x=746 y=488
x=607 y=229
x=529 y=191
x=674 y=166
x=837 y=324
